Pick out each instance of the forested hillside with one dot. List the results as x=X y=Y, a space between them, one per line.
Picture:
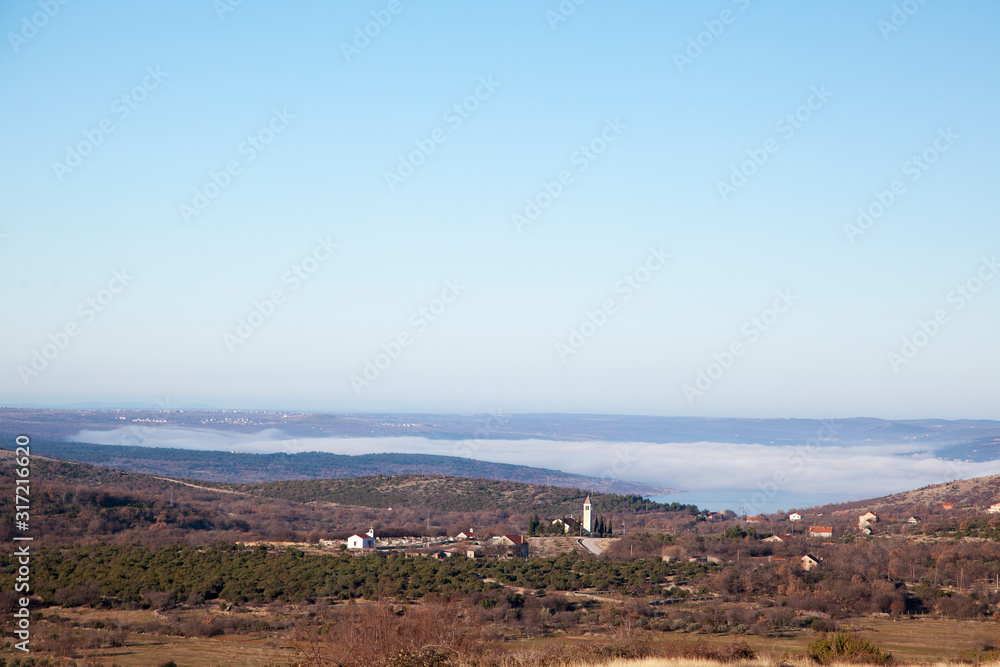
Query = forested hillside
x=250 y=468
x=458 y=494
x=76 y=502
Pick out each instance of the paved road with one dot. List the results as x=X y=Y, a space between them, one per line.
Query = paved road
x=590 y=544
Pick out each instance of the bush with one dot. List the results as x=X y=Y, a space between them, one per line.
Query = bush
x=426 y=657
x=822 y=625
x=846 y=647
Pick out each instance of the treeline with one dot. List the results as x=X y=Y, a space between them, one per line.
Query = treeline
x=457 y=494
x=948 y=577
x=975 y=527
x=130 y=575
x=949 y=580
x=636 y=503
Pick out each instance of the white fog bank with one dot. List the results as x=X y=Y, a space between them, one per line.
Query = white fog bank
x=855 y=471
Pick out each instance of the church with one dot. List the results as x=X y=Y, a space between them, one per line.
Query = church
x=366 y=541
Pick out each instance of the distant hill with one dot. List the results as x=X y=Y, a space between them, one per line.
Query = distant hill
x=962 y=438
x=250 y=468
x=79 y=502
x=981 y=449
x=452 y=494
x=976 y=493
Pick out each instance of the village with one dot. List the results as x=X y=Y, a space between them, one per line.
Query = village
x=469 y=544
x=593 y=535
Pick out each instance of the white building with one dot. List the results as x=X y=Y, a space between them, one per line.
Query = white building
x=820 y=531
x=795 y=517
x=588 y=522
x=566 y=525
x=366 y=541
x=995 y=508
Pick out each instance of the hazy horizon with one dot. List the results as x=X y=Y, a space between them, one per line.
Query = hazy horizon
x=168 y=406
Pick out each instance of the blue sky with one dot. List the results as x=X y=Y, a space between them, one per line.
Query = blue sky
x=202 y=83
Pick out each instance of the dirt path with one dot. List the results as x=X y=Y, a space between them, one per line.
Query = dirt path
x=198 y=486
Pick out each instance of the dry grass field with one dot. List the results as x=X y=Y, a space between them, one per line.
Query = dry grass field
x=910 y=641
x=692 y=662
x=226 y=651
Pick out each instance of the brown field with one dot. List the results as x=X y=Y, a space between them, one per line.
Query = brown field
x=909 y=640
x=694 y=662
x=913 y=640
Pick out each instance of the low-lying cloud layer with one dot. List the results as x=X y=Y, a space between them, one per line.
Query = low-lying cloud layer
x=860 y=471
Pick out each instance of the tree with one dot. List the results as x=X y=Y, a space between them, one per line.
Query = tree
x=533 y=525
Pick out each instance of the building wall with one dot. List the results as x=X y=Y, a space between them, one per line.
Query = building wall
x=356 y=542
